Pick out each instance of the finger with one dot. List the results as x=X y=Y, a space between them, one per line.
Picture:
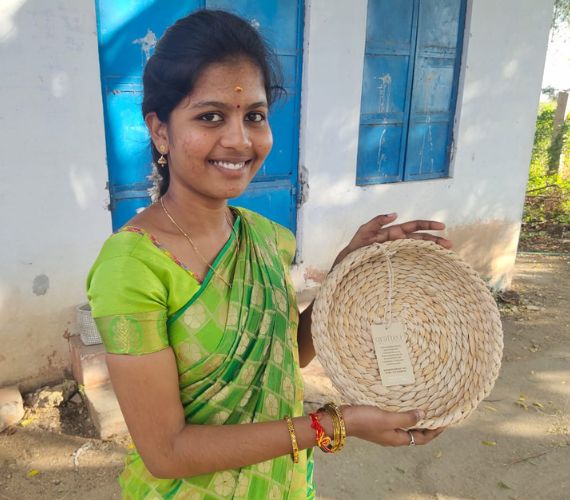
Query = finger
x=402 y=438
x=426 y=435
x=382 y=220
x=391 y=233
x=437 y=432
x=422 y=225
x=430 y=237
x=403 y=420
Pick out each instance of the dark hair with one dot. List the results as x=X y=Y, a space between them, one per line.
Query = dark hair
x=187 y=48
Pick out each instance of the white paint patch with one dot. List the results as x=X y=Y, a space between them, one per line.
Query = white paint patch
x=8 y=10
x=381 y=156
x=59 y=84
x=147 y=43
x=83 y=187
x=384 y=93
x=510 y=69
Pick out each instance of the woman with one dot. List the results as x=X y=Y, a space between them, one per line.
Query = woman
x=193 y=298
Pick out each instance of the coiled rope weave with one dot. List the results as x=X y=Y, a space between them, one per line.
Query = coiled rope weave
x=451 y=323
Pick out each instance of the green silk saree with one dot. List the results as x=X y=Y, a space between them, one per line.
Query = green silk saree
x=236 y=348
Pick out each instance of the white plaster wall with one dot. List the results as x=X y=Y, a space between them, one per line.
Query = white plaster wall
x=53 y=169
x=504 y=52
x=52 y=179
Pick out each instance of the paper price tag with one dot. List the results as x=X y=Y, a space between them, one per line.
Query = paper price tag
x=392 y=354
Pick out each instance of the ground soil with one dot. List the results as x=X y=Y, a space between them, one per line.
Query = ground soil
x=543 y=237
x=516 y=445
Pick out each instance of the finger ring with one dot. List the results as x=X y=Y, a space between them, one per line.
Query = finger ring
x=412 y=440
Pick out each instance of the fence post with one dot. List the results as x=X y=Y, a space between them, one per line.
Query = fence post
x=560 y=114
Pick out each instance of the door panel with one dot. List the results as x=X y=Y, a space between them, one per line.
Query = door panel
x=387 y=76
x=440 y=27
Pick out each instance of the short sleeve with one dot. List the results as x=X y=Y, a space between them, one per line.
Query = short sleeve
x=286 y=244
x=129 y=304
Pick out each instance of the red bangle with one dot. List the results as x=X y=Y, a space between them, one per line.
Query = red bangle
x=322 y=440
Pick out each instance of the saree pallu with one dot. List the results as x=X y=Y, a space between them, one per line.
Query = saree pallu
x=236 y=352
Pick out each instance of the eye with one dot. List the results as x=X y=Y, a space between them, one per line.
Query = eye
x=211 y=117
x=255 y=117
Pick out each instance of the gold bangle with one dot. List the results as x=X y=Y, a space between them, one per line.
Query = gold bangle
x=338 y=425
x=342 y=425
x=336 y=429
x=294 y=445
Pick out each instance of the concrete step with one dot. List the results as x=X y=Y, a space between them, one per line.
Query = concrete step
x=105 y=412
x=90 y=370
x=88 y=363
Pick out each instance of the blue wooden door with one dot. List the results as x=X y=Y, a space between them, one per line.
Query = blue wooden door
x=127 y=33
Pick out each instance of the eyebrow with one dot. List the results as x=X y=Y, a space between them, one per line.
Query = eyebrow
x=223 y=105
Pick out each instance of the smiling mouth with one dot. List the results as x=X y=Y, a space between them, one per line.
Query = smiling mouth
x=228 y=165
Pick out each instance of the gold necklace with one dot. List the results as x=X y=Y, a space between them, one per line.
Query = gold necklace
x=193 y=245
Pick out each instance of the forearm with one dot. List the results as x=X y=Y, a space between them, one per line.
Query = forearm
x=304 y=334
x=305 y=337
x=202 y=449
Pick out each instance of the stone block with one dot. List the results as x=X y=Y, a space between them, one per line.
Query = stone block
x=105 y=412
x=11 y=406
x=88 y=363
x=52 y=397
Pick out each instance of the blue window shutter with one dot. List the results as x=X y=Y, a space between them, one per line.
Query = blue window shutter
x=434 y=93
x=386 y=87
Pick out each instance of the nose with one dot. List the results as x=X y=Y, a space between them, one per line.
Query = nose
x=236 y=136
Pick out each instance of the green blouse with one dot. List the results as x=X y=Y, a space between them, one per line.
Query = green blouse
x=235 y=347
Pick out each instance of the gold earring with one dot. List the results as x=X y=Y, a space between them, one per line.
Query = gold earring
x=162 y=161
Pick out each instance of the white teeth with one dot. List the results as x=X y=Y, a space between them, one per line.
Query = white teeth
x=228 y=165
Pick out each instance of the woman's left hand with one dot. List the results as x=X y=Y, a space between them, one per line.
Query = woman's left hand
x=375 y=232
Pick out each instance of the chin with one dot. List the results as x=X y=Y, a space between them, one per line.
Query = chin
x=234 y=193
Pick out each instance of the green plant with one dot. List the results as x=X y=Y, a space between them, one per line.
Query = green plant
x=548 y=194
x=561 y=14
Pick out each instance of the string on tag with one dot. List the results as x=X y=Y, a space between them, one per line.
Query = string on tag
x=388 y=307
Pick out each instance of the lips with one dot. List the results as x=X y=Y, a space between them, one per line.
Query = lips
x=230 y=165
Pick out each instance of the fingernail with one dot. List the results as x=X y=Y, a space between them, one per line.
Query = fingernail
x=393 y=214
x=421 y=414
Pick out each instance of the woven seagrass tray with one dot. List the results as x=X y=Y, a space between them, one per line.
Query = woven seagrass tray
x=451 y=324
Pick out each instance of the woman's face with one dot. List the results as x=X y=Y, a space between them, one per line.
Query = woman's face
x=219 y=136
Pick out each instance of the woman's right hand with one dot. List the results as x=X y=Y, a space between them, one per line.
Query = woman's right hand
x=386 y=428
